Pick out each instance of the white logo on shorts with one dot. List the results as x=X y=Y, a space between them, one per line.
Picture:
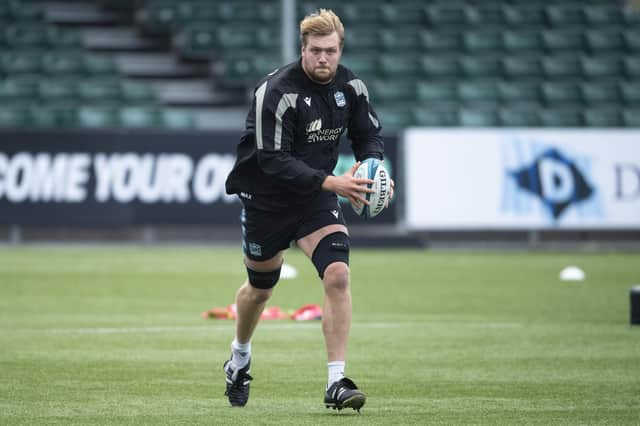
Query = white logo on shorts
x=255 y=249
x=335 y=213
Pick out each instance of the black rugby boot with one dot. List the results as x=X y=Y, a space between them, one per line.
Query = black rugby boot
x=238 y=382
x=344 y=394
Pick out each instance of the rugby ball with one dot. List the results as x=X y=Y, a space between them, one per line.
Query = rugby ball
x=373 y=169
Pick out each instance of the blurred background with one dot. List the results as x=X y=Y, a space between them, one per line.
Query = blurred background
x=506 y=121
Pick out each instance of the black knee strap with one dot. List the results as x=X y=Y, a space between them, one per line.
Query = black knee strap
x=263 y=280
x=332 y=248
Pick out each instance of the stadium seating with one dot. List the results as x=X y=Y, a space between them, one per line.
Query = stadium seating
x=602 y=117
x=435 y=115
x=50 y=78
x=523 y=115
x=520 y=91
x=561 y=117
x=480 y=65
x=429 y=63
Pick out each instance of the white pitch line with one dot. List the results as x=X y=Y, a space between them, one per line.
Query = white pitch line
x=268 y=325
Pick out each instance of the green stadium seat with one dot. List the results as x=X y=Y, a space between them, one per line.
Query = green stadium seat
x=436 y=91
x=631 y=117
x=480 y=90
x=56 y=89
x=439 y=65
x=448 y=14
x=18 y=88
x=431 y=41
x=4 y=12
x=600 y=92
x=521 y=90
x=264 y=64
x=199 y=41
x=603 y=117
x=13 y=116
x=631 y=16
x=521 y=66
x=362 y=38
x=440 y=115
x=393 y=117
x=22 y=11
x=96 y=116
x=356 y=14
x=26 y=35
x=595 y=67
x=632 y=40
x=480 y=65
x=484 y=39
x=269 y=12
x=136 y=91
x=398 y=65
x=307 y=7
x=478 y=117
x=97 y=90
x=238 y=71
x=59 y=38
x=522 y=40
x=139 y=116
x=392 y=90
x=484 y=14
x=554 y=93
x=522 y=15
x=604 y=40
x=630 y=92
x=561 y=66
x=56 y=115
x=21 y=62
x=177 y=119
x=197 y=11
x=99 y=63
x=247 y=11
x=405 y=39
x=243 y=70
x=524 y=115
x=563 y=14
x=229 y=37
x=570 y=116
x=63 y=62
x=603 y=14
x=570 y=39
x=268 y=39
x=363 y=65
x=632 y=67
x=160 y=16
x=398 y=14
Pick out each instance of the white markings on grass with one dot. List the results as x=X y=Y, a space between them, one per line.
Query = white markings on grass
x=271 y=326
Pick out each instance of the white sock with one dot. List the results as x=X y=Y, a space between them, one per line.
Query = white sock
x=336 y=372
x=240 y=353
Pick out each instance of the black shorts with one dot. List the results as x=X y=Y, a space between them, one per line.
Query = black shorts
x=265 y=233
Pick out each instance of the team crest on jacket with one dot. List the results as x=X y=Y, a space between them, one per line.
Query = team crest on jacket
x=340 y=99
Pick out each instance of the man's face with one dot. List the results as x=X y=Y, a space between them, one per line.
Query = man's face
x=320 y=57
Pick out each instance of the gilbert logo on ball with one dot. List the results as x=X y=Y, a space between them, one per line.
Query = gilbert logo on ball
x=373 y=169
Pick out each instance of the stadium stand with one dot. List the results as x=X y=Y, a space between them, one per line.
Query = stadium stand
x=172 y=64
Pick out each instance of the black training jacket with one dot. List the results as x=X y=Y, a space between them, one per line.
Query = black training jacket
x=290 y=144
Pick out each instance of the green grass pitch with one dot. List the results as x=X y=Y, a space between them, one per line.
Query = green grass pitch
x=114 y=336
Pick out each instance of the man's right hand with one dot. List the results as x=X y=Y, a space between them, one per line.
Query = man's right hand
x=353 y=189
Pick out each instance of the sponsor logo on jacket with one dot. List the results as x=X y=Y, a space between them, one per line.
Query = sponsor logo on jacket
x=315 y=132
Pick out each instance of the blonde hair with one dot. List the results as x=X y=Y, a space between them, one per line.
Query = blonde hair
x=321 y=23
